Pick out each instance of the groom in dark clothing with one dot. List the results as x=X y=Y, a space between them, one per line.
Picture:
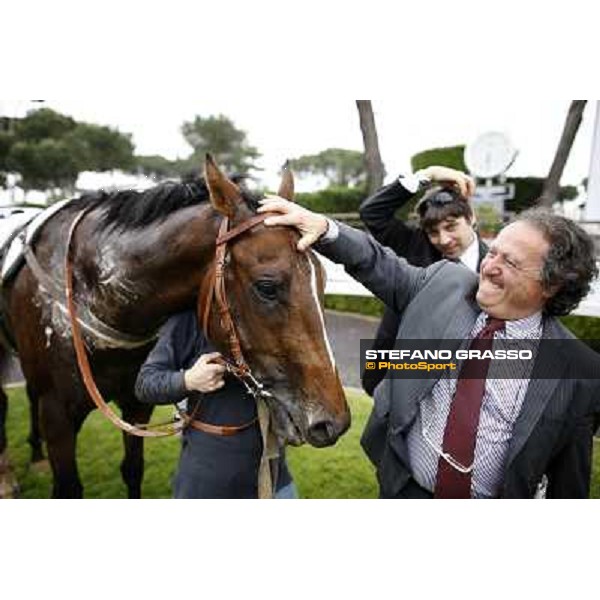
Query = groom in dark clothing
x=445 y=230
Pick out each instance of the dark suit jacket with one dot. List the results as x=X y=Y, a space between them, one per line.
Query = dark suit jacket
x=553 y=432
x=377 y=213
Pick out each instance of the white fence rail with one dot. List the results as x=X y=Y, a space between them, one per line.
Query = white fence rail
x=339 y=282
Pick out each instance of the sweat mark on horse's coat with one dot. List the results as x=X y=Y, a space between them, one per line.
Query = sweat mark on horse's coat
x=48 y=332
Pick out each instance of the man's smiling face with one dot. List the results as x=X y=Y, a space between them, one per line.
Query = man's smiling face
x=510 y=277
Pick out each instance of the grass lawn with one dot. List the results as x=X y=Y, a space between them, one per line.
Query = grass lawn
x=339 y=472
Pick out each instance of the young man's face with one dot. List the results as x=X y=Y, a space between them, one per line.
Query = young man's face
x=451 y=236
x=510 y=276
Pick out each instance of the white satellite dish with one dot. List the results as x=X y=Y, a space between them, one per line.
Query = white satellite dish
x=490 y=155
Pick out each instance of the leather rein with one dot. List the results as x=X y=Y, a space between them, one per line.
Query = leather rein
x=238 y=366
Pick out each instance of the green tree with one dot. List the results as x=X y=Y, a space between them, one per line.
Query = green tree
x=41 y=124
x=43 y=165
x=158 y=167
x=219 y=136
x=342 y=168
x=101 y=148
x=49 y=150
x=452 y=156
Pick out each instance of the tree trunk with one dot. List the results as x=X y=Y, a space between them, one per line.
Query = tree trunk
x=375 y=168
x=552 y=183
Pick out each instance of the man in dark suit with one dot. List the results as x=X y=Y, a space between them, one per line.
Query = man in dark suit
x=524 y=431
x=445 y=230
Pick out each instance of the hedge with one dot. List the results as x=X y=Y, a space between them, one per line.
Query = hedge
x=585 y=328
x=347 y=200
x=362 y=305
x=452 y=156
x=527 y=189
x=333 y=199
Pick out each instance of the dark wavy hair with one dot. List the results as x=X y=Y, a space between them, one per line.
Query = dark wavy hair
x=570 y=266
x=439 y=203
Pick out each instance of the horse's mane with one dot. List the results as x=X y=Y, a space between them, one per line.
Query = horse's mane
x=130 y=209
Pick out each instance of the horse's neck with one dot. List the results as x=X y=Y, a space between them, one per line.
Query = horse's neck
x=147 y=274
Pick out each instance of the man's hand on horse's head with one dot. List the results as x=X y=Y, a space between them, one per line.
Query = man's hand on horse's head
x=310 y=225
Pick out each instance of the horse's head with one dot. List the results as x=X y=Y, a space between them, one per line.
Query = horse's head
x=275 y=295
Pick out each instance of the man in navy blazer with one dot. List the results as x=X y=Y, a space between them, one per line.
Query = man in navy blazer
x=531 y=431
x=445 y=230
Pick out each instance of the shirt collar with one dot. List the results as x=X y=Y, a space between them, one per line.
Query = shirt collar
x=470 y=257
x=527 y=328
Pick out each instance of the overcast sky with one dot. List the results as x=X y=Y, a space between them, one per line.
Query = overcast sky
x=289 y=81
x=288 y=128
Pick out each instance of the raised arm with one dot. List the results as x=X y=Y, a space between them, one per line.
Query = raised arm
x=378 y=211
x=390 y=278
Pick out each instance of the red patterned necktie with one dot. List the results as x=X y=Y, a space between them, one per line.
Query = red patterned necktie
x=461 y=428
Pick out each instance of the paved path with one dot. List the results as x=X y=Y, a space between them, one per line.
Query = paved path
x=345 y=332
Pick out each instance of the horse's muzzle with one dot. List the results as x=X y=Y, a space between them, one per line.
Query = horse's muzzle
x=325 y=432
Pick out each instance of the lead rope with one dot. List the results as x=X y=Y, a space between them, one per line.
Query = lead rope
x=265 y=481
x=267 y=478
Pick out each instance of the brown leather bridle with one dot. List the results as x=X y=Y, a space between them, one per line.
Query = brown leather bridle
x=238 y=366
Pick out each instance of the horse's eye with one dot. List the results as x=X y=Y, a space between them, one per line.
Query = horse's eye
x=267 y=289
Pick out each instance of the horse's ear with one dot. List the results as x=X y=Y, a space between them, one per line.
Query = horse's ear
x=224 y=194
x=286 y=189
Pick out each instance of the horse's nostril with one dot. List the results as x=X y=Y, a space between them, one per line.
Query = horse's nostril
x=321 y=433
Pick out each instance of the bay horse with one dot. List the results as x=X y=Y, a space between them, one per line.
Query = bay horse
x=137 y=258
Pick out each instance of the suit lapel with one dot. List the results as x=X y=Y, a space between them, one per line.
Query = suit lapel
x=540 y=390
x=458 y=329
x=462 y=320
